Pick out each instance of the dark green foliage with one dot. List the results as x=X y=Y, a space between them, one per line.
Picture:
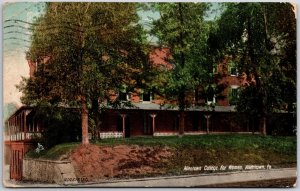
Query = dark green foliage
x=283 y=124
x=88 y=45
x=53 y=153
x=182 y=29
x=265 y=52
x=92 y=50
x=60 y=124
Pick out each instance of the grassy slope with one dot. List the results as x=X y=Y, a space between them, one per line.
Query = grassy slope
x=203 y=150
x=278 y=144
x=53 y=153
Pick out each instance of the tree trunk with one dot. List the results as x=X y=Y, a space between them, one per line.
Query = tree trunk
x=207 y=125
x=252 y=125
x=84 y=121
x=263 y=126
x=259 y=92
x=181 y=97
x=181 y=123
x=96 y=117
x=196 y=96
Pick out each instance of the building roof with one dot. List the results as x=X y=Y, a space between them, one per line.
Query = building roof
x=153 y=106
x=22 y=108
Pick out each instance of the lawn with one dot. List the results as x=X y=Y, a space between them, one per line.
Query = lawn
x=234 y=141
x=234 y=149
x=201 y=150
x=53 y=153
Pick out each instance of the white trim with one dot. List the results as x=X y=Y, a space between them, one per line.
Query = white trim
x=234 y=86
x=128 y=96
x=165 y=134
x=213 y=101
x=111 y=134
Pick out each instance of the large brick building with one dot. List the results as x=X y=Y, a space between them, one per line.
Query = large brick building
x=150 y=116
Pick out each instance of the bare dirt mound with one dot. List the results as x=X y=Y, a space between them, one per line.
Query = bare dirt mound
x=94 y=162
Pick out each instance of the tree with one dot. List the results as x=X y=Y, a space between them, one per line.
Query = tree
x=263 y=43
x=91 y=49
x=182 y=29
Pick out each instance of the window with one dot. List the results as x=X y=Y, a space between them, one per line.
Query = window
x=123 y=94
x=234 y=95
x=147 y=96
x=210 y=95
x=233 y=69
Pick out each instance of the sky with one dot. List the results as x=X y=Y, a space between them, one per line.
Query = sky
x=15 y=41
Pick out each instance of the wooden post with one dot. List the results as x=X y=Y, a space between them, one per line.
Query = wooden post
x=25 y=126
x=11 y=129
x=153 y=123
x=123 y=123
x=207 y=116
x=263 y=126
x=21 y=126
x=181 y=123
x=33 y=125
x=9 y=123
x=18 y=127
x=14 y=128
x=248 y=129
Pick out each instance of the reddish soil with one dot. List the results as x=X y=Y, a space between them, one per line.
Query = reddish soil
x=100 y=162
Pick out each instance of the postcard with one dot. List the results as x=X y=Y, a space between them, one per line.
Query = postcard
x=149 y=94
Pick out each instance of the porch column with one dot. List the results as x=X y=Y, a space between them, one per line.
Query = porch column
x=153 y=122
x=37 y=126
x=17 y=128
x=32 y=125
x=248 y=129
x=123 y=123
x=22 y=125
x=207 y=116
x=14 y=128
x=25 y=126
x=8 y=129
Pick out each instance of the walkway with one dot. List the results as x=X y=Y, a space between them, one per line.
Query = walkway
x=182 y=181
x=205 y=179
